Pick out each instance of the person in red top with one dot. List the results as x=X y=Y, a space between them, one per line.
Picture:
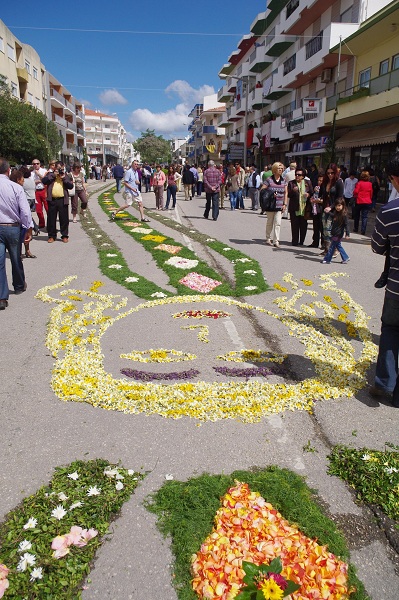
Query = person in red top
x=363 y=193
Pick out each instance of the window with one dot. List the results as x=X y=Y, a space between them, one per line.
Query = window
x=14 y=89
x=314 y=45
x=395 y=62
x=1 y=44
x=364 y=78
x=30 y=98
x=37 y=103
x=346 y=16
x=11 y=52
x=289 y=65
x=35 y=74
x=27 y=66
x=291 y=7
x=384 y=67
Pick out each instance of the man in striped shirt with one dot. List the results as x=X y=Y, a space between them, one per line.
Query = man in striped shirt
x=385 y=239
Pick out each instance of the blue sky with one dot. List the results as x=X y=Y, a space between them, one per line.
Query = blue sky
x=172 y=72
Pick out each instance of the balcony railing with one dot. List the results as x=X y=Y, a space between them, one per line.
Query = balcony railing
x=57 y=96
x=71 y=126
x=314 y=45
x=380 y=84
x=59 y=120
x=71 y=146
x=80 y=131
x=289 y=65
x=291 y=7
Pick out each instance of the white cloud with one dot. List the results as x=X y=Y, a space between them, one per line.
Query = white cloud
x=130 y=137
x=109 y=97
x=187 y=93
x=87 y=103
x=174 y=120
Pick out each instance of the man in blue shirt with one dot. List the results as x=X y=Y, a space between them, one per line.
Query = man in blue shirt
x=15 y=216
x=132 y=192
x=118 y=173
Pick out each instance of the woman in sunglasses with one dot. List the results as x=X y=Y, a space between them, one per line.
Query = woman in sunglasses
x=299 y=192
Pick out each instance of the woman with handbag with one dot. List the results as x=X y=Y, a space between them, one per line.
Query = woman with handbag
x=78 y=191
x=275 y=199
x=299 y=191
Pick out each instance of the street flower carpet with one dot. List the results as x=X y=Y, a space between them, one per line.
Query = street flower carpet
x=254 y=535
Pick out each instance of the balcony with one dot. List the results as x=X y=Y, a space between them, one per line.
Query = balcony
x=69 y=106
x=223 y=120
x=226 y=70
x=231 y=84
x=258 y=26
x=70 y=146
x=59 y=120
x=71 y=126
x=22 y=74
x=89 y=128
x=80 y=115
x=209 y=129
x=80 y=132
x=56 y=98
x=299 y=18
x=256 y=99
x=355 y=104
x=223 y=95
x=258 y=61
x=276 y=48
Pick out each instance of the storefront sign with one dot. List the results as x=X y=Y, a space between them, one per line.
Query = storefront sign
x=236 y=151
x=311 y=106
x=296 y=124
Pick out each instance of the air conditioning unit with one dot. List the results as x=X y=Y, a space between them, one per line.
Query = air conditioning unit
x=326 y=76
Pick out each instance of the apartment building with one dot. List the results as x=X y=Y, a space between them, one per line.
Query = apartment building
x=366 y=108
x=106 y=138
x=278 y=78
x=194 y=142
x=21 y=69
x=68 y=115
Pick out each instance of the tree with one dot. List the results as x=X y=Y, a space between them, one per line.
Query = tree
x=25 y=132
x=153 y=148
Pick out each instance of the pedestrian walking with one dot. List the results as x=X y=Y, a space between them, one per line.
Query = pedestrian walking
x=299 y=192
x=339 y=226
x=363 y=194
x=158 y=184
x=131 y=193
x=58 y=184
x=212 y=179
x=276 y=184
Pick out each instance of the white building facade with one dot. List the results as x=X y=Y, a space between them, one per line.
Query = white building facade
x=106 y=139
x=278 y=78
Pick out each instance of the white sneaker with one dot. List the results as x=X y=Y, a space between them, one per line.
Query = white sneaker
x=276 y=244
x=269 y=242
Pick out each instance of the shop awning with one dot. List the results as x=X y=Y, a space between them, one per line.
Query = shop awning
x=306 y=152
x=369 y=137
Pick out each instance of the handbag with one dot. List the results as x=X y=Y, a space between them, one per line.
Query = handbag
x=267 y=200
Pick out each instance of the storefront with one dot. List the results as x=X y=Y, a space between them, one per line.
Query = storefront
x=308 y=152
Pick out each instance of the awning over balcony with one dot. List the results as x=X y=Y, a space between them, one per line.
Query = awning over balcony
x=370 y=136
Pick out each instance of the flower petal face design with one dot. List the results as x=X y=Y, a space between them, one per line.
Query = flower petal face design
x=340 y=356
